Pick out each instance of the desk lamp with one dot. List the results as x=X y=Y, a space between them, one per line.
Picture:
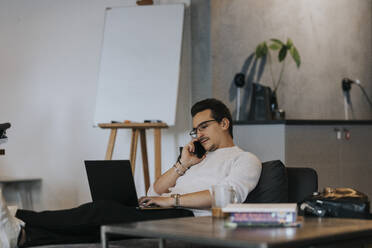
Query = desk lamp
x=346 y=87
x=239 y=81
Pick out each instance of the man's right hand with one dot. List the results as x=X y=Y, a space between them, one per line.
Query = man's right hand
x=188 y=158
x=169 y=178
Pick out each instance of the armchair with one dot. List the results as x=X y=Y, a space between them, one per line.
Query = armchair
x=283 y=184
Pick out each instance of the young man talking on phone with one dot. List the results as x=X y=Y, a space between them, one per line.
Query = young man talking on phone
x=186 y=186
x=224 y=163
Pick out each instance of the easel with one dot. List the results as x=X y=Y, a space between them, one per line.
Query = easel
x=138 y=129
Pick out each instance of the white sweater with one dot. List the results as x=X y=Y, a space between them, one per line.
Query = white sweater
x=229 y=166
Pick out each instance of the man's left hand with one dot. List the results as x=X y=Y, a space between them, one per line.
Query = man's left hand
x=156 y=200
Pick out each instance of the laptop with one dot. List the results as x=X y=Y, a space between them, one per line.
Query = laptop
x=113 y=180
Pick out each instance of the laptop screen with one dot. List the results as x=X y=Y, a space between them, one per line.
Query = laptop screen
x=111 y=180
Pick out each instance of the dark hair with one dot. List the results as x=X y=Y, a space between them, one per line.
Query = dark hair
x=218 y=109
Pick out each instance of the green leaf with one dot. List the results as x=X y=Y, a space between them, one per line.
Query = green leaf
x=282 y=53
x=289 y=43
x=265 y=48
x=275 y=46
x=258 y=50
x=277 y=41
x=261 y=50
x=295 y=55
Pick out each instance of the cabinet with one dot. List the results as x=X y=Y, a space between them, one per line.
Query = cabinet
x=340 y=151
x=19 y=191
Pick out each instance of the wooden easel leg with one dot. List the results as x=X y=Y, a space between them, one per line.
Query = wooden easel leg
x=111 y=144
x=145 y=162
x=157 y=145
x=133 y=148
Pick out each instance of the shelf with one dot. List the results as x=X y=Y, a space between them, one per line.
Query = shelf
x=305 y=122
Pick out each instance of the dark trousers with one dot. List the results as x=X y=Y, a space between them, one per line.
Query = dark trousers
x=82 y=224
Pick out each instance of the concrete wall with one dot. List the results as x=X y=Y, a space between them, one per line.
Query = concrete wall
x=49 y=63
x=334 y=38
x=201 y=73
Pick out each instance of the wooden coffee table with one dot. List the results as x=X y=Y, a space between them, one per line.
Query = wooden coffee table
x=208 y=231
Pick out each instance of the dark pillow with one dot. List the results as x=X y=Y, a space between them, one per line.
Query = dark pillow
x=302 y=182
x=272 y=186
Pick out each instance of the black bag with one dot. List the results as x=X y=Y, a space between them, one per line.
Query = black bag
x=261 y=100
x=337 y=202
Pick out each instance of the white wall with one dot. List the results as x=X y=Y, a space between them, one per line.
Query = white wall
x=49 y=62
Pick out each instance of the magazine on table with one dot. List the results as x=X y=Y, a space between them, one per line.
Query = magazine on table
x=262 y=214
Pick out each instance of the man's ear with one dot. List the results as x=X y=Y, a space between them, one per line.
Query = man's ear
x=225 y=123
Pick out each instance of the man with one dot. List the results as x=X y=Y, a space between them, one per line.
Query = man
x=186 y=186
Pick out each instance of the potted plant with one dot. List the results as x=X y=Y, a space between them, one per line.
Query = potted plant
x=276 y=45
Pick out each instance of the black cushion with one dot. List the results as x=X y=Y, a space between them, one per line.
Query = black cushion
x=302 y=182
x=272 y=186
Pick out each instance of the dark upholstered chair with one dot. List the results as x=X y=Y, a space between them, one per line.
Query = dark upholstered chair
x=277 y=184
x=280 y=184
x=301 y=183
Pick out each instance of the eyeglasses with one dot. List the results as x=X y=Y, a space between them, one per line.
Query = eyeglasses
x=201 y=127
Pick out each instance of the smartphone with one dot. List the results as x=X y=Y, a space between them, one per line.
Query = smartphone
x=199 y=149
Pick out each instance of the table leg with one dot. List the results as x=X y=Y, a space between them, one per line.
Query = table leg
x=111 y=144
x=25 y=195
x=145 y=162
x=104 y=240
x=133 y=148
x=157 y=144
x=161 y=243
x=20 y=197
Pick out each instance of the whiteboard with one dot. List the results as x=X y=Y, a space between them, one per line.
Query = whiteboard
x=140 y=64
